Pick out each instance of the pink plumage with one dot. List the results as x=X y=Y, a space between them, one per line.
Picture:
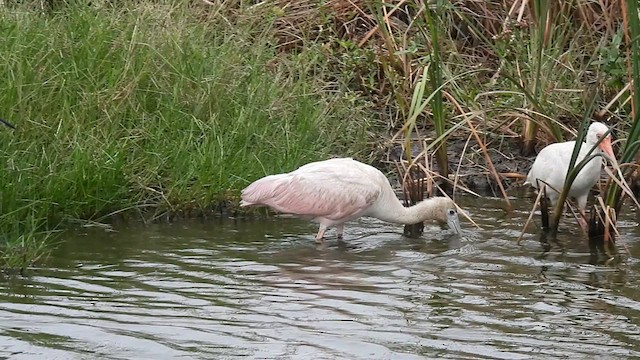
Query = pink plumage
x=333 y=192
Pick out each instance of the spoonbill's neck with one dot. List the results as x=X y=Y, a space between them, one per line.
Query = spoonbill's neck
x=399 y=214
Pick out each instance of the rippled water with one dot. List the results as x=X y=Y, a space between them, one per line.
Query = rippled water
x=262 y=289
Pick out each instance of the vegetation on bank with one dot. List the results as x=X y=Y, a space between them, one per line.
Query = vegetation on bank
x=148 y=109
x=170 y=107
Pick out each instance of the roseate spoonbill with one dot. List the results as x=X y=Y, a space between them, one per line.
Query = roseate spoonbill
x=552 y=163
x=335 y=191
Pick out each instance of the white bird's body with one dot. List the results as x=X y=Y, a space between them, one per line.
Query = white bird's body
x=552 y=163
x=335 y=191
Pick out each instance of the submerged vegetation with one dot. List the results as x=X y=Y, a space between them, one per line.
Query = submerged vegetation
x=154 y=108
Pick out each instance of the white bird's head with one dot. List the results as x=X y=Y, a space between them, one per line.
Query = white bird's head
x=597 y=131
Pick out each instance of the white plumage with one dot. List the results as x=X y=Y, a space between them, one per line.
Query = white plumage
x=552 y=163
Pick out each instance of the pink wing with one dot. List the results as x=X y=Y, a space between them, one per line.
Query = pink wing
x=333 y=192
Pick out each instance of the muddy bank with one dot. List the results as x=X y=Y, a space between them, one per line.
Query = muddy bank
x=468 y=162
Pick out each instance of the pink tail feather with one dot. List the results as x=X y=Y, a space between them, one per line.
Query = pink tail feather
x=262 y=190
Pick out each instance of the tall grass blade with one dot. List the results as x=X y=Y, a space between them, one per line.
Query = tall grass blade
x=631 y=18
x=7 y=124
x=435 y=75
x=541 y=12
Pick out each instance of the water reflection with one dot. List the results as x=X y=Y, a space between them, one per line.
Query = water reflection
x=263 y=289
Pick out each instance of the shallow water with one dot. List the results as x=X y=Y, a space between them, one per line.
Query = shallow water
x=263 y=289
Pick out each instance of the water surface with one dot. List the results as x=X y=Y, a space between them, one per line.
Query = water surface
x=262 y=289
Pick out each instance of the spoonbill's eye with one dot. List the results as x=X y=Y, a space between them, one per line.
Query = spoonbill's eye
x=452 y=212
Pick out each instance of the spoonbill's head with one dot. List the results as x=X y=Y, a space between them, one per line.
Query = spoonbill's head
x=452 y=220
x=597 y=131
x=447 y=213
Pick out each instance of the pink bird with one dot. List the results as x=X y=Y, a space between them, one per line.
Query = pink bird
x=335 y=191
x=552 y=163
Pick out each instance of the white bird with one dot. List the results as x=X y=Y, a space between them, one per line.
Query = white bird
x=552 y=163
x=335 y=191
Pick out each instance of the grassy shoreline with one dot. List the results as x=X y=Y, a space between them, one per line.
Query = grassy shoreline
x=148 y=109
x=170 y=107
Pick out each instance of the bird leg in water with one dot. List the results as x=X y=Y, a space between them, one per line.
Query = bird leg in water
x=583 y=223
x=320 y=234
x=544 y=207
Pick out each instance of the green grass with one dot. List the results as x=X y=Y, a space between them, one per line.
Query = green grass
x=614 y=193
x=171 y=107
x=147 y=109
